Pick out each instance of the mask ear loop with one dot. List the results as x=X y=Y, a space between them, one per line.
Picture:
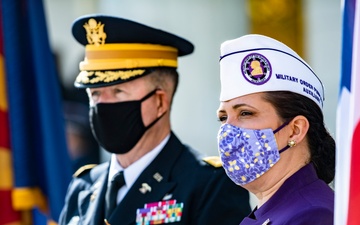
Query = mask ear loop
x=279 y=128
x=285 y=148
x=146 y=97
x=282 y=126
x=149 y=95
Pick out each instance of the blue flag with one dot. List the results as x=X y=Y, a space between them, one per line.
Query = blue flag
x=41 y=164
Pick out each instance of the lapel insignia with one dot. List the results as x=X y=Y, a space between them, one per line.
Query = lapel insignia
x=145 y=188
x=95 y=191
x=266 y=222
x=93 y=196
x=157 y=177
x=97 y=185
x=106 y=222
x=74 y=220
x=159 y=212
x=167 y=197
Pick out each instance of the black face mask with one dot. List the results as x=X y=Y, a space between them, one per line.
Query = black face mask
x=119 y=126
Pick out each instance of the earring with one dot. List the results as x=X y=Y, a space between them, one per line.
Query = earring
x=291 y=143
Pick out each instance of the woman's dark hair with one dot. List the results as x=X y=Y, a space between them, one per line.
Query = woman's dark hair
x=322 y=146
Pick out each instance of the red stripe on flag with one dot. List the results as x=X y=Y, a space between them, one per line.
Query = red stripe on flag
x=353 y=213
x=7 y=214
x=4 y=130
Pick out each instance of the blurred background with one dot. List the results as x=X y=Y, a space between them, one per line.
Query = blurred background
x=312 y=28
x=33 y=132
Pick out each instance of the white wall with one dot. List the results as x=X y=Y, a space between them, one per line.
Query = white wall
x=206 y=23
x=323 y=46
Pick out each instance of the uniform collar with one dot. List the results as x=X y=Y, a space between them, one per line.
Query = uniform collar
x=132 y=172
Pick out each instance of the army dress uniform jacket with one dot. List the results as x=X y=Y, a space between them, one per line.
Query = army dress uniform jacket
x=183 y=190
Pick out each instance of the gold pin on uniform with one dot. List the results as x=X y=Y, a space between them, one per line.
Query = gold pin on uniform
x=157 y=177
x=145 y=188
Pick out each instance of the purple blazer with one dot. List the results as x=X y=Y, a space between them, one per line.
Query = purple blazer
x=302 y=199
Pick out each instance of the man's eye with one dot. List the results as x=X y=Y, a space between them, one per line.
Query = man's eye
x=94 y=93
x=117 y=90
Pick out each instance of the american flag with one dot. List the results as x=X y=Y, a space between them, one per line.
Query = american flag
x=347 y=180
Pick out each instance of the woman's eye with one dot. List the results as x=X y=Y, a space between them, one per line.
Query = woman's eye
x=222 y=118
x=245 y=113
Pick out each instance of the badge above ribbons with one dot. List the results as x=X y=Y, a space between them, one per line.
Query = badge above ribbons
x=159 y=213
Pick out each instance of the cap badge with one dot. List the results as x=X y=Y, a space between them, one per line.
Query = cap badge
x=256 y=69
x=95 y=32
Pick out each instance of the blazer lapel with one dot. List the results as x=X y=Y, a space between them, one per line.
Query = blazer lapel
x=91 y=202
x=151 y=186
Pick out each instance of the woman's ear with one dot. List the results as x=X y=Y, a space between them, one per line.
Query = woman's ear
x=299 y=127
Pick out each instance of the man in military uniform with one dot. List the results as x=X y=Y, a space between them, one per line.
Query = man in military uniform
x=129 y=72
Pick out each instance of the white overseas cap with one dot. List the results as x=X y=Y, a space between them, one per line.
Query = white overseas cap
x=256 y=63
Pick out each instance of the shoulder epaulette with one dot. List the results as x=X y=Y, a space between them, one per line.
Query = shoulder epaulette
x=213 y=161
x=82 y=169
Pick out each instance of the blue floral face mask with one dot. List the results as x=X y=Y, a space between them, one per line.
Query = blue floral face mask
x=247 y=154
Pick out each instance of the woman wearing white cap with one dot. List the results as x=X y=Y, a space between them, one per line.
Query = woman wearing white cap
x=272 y=140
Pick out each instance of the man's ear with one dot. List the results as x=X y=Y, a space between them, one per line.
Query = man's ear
x=299 y=127
x=162 y=102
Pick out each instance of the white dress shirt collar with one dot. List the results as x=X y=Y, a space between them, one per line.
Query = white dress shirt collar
x=132 y=172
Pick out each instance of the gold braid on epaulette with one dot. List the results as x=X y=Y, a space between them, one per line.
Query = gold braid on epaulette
x=213 y=161
x=82 y=169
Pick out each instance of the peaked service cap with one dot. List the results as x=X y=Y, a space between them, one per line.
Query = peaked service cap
x=118 y=50
x=256 y=63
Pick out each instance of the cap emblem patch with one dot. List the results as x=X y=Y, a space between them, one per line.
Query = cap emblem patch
x=95 y=34
x=256 y=68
